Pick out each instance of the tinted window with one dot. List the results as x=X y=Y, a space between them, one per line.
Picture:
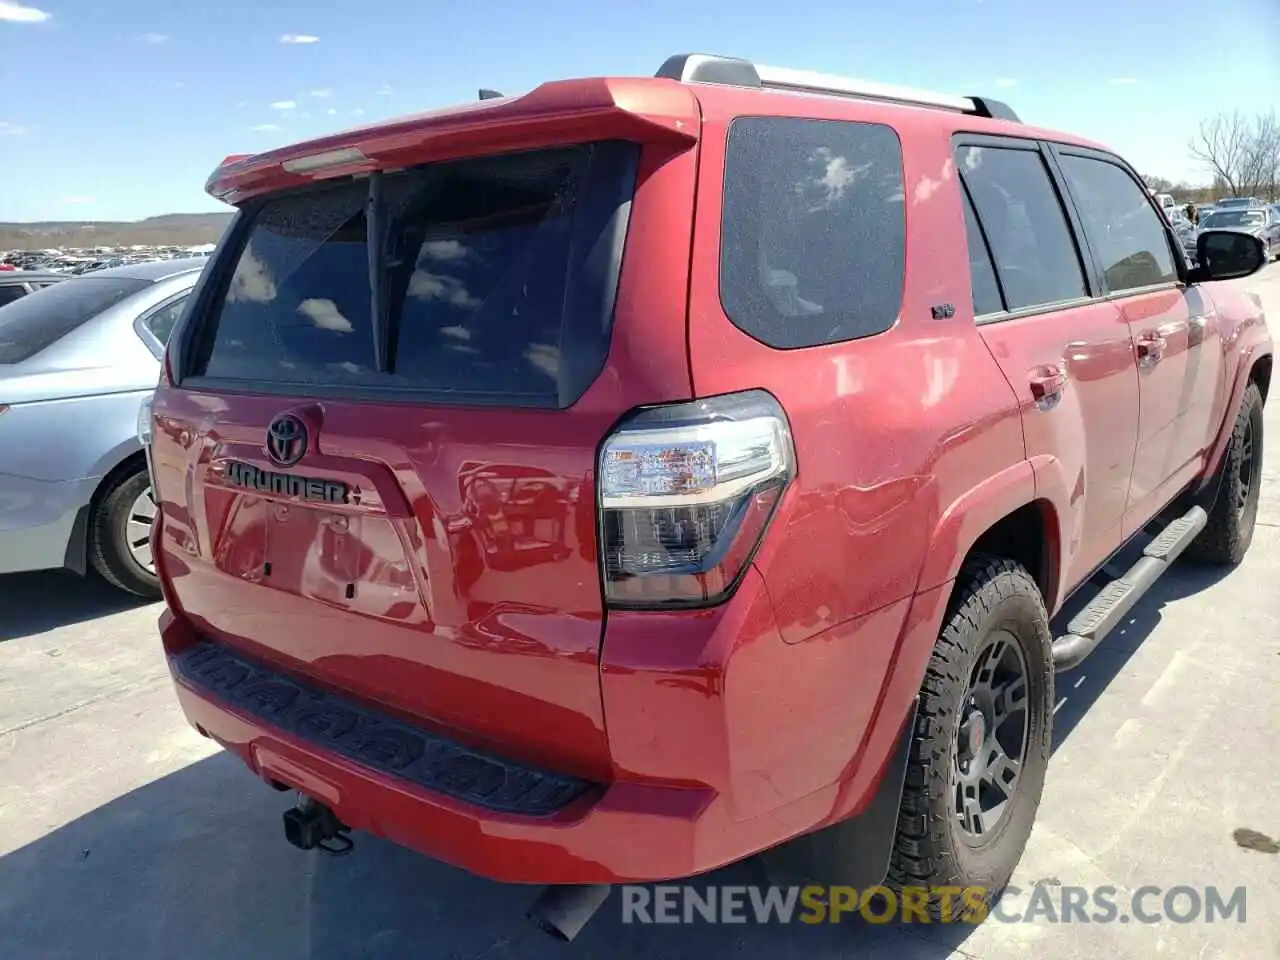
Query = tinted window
x=813 y=230
x=1126 y=235
x=499 y=279
x=35 y=322
x=986 y=291
x=10 y=292
x=1020 y=211
x=161 y=322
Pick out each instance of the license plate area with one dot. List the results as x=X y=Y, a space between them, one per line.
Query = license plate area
x=345 y=560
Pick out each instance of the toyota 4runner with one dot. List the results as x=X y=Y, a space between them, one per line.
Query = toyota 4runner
x=615 y=481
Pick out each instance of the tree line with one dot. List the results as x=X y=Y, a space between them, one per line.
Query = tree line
x=1240 y=151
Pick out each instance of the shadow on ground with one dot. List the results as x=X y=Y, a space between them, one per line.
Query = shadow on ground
x=195 y=864
x=1079 y=689
x=32 y=603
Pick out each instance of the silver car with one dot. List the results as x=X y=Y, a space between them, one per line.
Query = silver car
x=77 y=360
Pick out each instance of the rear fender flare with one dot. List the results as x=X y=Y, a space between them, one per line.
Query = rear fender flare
x=1054 y=494
x=970 y=516
x=1249 y=358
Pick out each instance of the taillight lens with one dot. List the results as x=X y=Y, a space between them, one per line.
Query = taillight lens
x=144 y=421
x=686 y=494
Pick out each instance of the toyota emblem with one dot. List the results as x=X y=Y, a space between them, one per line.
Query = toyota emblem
x=286 y=440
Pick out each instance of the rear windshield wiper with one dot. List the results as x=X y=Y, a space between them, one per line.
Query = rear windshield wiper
x=376 y=238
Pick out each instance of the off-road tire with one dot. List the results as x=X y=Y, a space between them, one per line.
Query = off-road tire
x=930 y=849
x=1226 y=538
x=108 y=546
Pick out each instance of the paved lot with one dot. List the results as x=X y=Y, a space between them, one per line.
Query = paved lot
x=124 y=834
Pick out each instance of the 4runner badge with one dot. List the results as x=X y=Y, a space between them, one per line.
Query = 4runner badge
x=249 y=477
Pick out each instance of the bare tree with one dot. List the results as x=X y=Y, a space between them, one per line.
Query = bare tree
x=1242 y=152
x=1264 y=172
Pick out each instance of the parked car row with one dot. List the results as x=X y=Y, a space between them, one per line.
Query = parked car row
x=77 y=261
x=1261 y=221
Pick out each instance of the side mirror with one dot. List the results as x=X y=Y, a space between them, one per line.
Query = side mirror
x=1228 y=255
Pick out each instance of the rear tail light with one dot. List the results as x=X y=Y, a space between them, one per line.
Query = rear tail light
x=144 y=421
x=686 y=494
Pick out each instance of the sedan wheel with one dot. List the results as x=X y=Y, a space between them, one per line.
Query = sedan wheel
x=137 y=531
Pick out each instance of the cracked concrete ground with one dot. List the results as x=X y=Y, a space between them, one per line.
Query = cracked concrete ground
x=124 y=834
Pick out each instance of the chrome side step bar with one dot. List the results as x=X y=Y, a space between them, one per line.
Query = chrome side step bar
x=1113 y=602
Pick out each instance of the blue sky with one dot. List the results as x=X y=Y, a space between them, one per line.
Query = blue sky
x=120 y=111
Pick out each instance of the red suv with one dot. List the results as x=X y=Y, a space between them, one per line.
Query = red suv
x=615 y=481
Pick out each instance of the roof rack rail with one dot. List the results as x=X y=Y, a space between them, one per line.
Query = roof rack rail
x=736 y=72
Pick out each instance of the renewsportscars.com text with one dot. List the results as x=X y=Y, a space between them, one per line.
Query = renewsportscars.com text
x=671 y=903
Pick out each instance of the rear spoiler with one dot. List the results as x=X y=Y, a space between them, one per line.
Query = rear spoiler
x=557 y=113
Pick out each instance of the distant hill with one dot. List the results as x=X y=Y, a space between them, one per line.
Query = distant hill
x=170 y=229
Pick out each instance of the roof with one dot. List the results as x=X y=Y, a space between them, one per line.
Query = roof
x=664 y=105
x=154 y=271
x=31 y=276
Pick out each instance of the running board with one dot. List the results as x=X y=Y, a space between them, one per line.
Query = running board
x=1108 y=609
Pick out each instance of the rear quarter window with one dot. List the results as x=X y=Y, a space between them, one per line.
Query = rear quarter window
x=813 y=230
x=498 y=278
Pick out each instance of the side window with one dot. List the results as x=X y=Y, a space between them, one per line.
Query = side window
x=161 y=322
x=1035 y=254
x=813 y=231
x=1125 y=233
x=10 y=292
x=986 y=290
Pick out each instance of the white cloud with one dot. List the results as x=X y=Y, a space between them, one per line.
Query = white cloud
x=1007 y=82
x=325 y=315
x=331 y=112
x=443 y=250
x=265 y=127
x=358 y=111
x=385 y=90
x=282 y=105
x=8 y=129
x=252 y=282
x=290 y=37
x=1123 y=81
x=78 y=201
x=155 y=39
x=544 y=357
x=432 y=286
x=320 y=94
x=13 y=11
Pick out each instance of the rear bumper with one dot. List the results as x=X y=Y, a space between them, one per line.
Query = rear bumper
x=37 y=519
x=619 y=832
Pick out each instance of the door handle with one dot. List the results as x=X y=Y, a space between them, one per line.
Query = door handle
x=1151 y=349
x=1047 y=385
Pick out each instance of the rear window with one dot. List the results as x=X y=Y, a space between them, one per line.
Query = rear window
x=41 y=319
x=1234 y=218
x=497 y=277
x=813 y=230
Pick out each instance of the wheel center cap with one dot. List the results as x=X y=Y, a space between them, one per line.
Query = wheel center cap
x=977 y=733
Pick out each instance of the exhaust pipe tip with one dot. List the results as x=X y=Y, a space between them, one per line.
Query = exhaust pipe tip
x=561 y=911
